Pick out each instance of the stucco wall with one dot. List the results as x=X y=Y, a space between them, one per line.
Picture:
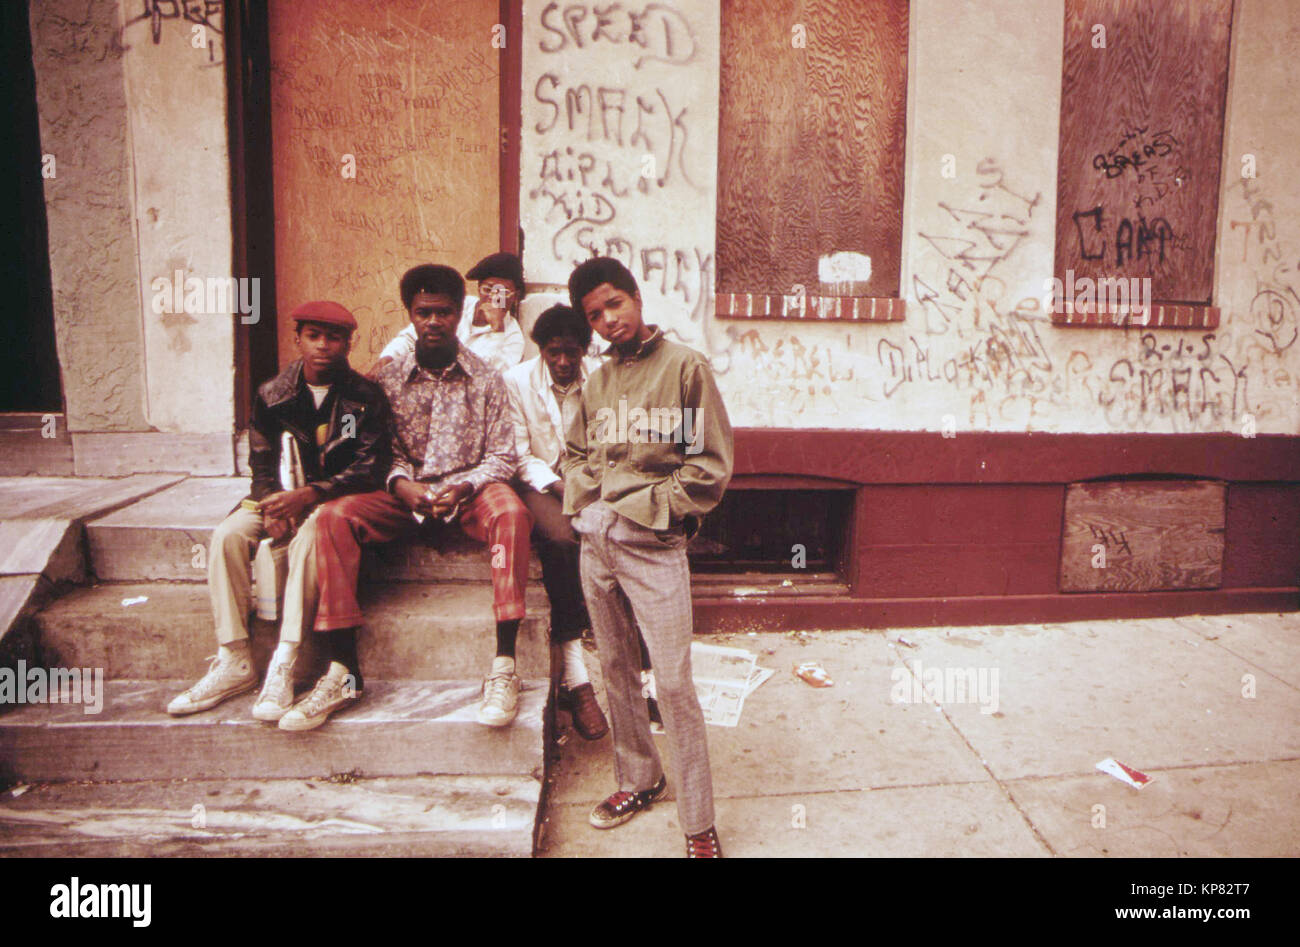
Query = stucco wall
x=80 y=95
x=984 y=87
x=135 y=117
x=176 y=105
x=619 y=148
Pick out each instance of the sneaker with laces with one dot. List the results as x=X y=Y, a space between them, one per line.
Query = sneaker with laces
x=226 y=677
x=332 y=692
x=623 y=805
x=276 y=698
x=500 y=699
x=704 y=844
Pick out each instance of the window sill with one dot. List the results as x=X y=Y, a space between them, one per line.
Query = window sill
x=809 y=308
x=1161 y=316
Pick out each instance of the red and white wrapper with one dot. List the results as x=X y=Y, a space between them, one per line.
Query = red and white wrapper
x=1125 y=774
x=813 y=673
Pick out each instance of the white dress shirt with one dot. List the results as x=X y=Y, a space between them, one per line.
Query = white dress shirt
x=538 y=418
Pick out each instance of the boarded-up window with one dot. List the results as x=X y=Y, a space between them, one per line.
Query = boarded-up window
x=386 y=144
x=811 y=133
x=1142 y=536
x=1142 y=100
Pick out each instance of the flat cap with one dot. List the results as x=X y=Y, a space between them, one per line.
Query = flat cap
x=500 y=265
x=329 y=313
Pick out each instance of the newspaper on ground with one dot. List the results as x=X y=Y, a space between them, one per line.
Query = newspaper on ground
x=724 y=677
x=756 y=678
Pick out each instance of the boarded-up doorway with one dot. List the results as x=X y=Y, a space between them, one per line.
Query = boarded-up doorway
x=386 y=141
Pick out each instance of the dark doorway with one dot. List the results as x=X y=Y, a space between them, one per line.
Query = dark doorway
x=29 y=364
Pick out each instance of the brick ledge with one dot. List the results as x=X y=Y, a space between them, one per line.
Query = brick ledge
x=813 y=308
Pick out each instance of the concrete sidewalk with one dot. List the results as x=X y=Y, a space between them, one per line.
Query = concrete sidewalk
x=850 y=770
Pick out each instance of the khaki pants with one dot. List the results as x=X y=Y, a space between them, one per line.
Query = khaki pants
x=230 y=583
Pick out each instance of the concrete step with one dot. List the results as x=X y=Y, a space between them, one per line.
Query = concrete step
x=161 y=536
x=75 y=498
x=42 y=544
x=418 y=632
x=166 y=537
x=456 y=559
x=420 y=816
x=399 y=728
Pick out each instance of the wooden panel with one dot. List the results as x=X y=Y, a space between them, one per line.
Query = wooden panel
x=1154 y=535
x=410 y=90
x=1141 y=135
x=810 y=142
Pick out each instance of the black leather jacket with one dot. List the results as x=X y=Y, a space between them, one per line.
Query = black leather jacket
x=357 y=453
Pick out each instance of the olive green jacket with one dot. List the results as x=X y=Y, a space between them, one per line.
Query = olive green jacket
x=650 y=436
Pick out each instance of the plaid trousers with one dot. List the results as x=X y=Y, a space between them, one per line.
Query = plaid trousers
x=494 y=515
x=634 y=576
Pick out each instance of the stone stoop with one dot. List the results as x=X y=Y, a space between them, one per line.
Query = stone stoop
x=394 y=775
x=166 y=536
x=405 y=816
x=398 y=728
x=412 y=631
x=42 y=543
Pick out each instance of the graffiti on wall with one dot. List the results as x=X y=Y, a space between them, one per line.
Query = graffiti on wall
x=1145 y=167
x=609 y=157
x=975 y=347
x=207 y=15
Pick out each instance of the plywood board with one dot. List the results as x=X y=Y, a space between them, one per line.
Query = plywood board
x=409 y=91
x=1139 y=536
x=812 y=126
x=1142 y=100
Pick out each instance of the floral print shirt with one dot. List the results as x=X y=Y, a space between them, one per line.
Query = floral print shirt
x=451 y=426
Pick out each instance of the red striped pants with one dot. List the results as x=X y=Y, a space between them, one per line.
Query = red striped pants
x=494 y=515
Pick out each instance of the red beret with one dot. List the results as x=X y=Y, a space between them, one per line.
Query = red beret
x=329 y=313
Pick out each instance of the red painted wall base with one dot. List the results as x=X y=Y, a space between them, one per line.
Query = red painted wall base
x=721 y=614
x=966 y=530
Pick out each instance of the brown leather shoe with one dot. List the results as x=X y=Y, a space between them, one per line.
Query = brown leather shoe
x=585 y=712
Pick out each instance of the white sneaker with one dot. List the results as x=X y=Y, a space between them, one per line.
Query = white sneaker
x=226 y=677
x=276 y=698
x=331 y=692
x=500 y=699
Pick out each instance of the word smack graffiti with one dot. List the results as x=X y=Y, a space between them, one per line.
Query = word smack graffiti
x=613 y=150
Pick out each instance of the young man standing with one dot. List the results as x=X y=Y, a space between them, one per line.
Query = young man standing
x=649 y=452
x=340 y=423
x=453 y=457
